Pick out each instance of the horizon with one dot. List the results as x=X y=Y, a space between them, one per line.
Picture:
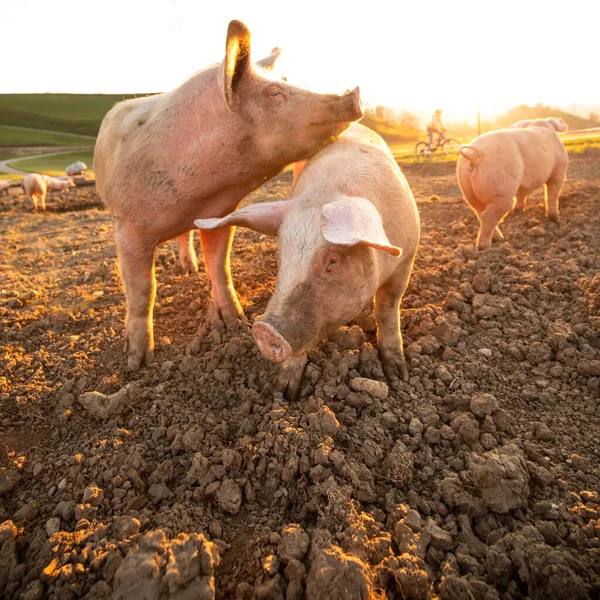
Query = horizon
x=417 y=58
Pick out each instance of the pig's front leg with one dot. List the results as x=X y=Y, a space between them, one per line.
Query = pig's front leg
x=290 y=377
x=136 y=261
x=187 y=254
x=387 y=316
x=216 y=245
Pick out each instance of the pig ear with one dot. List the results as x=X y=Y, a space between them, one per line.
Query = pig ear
x=269 y=62
x=237 y=58
x=558 y=124
x=520 y=124
x=264 y=218
x=354 y=221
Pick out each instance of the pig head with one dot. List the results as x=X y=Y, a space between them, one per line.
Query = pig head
x=328 y=267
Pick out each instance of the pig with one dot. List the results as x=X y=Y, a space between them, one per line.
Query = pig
x=165 y=160
x=501 y=165
x=4 y=186
x=36 y=187
x=350 y=231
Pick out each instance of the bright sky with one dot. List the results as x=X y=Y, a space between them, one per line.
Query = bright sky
x=416 y=54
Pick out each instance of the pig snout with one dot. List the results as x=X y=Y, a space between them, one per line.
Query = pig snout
x=353 y=105
x=271 y=343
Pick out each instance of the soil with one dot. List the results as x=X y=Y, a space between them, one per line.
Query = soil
x=479 y=478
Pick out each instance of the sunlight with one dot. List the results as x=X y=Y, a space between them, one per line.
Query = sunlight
x=419 y=56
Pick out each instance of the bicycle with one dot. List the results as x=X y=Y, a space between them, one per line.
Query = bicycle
x=447 y=145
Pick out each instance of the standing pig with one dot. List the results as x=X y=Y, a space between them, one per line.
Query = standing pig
x=36 y=187
x=4 y=186
x=501 y=165
x=194 y=152
x=350 y=231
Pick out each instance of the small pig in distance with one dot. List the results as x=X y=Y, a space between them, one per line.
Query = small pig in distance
x=500 y=165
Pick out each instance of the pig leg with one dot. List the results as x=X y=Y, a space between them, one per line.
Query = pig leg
x=520 y=203
x=490 y=218
x=34 y=198
x=290 y=377
x=216 y=245
x=552 y=192
x=136 y=261
x=187 y=254
x=387 y=316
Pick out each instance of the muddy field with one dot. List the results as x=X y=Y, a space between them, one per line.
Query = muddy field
x=477 y=479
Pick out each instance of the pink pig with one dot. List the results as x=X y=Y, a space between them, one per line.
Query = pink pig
x=36 y=187
x=4 y=186
x=195 y=152
x=501 y=165
x=349 y=232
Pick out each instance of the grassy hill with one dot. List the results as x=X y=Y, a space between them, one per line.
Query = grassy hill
x=67 y=113
x=540 y=111
x=14 y=137
x=390 y=131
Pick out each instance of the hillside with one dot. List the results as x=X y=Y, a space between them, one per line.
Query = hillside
x=68 y=113
x=392 y=132
x=540 y=111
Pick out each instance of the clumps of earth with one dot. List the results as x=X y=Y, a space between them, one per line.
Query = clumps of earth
x=477 y=479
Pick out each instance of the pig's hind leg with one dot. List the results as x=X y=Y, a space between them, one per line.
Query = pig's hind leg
x=490 y=217
x=187 y=254
x=521 y=200
x=552 y=192
x=216 y=245
x=136 y=261
x=387 y=316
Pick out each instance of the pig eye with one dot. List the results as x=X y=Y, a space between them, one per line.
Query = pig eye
x=274 y=93
x=331 y=261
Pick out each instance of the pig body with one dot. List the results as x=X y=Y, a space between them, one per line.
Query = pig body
x=36 y=187
x=165 y=160
x=512 y=163
x=4 y=186
x=349 y=232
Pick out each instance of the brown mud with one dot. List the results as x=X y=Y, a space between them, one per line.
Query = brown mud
x=479 y=478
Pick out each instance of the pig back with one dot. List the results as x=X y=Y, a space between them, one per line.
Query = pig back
x=360 y=164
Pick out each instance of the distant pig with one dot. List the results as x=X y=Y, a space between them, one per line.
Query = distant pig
x=4 y=186
x=350 y=231
x=165 y=160
x=36 y=187
x=501 y=165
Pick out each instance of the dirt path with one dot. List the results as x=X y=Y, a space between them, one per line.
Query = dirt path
x=5 y=168
x=479 y=478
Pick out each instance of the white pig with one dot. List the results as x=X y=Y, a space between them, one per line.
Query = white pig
x=4 y=186
x=501 y=165
x=350 y=231
x=37 y=186
x=165 y=160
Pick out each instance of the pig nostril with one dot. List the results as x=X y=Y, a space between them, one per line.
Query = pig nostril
x=276 y=352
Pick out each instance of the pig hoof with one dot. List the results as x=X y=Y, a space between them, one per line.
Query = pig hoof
x=554 y=218
x=395 y=367
x=233 y=320
x=136 y=361
x=289 y=382
x=189 y=266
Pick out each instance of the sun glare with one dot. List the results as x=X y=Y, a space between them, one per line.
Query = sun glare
x=460 y=56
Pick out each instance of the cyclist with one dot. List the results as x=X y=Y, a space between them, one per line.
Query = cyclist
x=436 y=126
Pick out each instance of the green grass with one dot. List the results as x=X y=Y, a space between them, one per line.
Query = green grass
x=69 y=113
x=13 y=137
x=53 y=165
x=11 y=176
